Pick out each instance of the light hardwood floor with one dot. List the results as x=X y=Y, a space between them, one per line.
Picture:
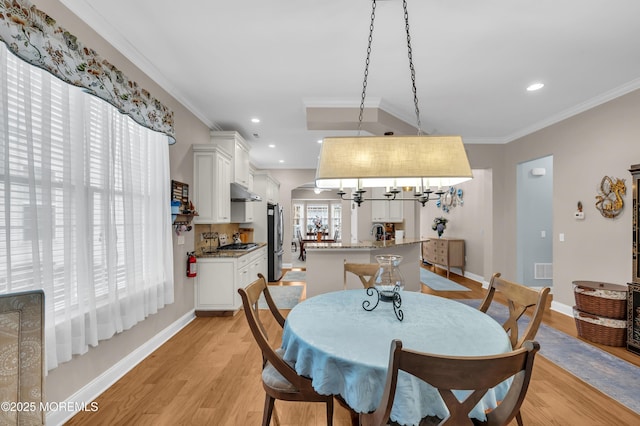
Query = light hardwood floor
x=209 y=374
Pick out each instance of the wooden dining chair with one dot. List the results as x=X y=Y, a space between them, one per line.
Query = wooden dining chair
x=476 y=374
x=279 y=379
x=22 y=356
x=519 y=298
x=365 y=271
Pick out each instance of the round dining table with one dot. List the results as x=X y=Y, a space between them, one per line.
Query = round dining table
x=345 y=349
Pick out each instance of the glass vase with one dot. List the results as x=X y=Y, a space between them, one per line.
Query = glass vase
x=388 y=279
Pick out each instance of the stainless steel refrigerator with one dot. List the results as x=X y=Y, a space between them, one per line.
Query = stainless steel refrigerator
x=274 y=240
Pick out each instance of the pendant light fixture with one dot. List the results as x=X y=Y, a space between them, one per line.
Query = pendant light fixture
x=390 y=161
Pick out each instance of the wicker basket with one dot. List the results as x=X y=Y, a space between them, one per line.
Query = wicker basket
x=602 y=299
x=605 y=331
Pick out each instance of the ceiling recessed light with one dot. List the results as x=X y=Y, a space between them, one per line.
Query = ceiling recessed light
x=319 y=140
x=281 y=161
x=535 y=86
x=255 y=120
x=271 y=145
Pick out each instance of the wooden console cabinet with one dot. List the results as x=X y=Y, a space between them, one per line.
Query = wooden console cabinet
x=633 y=296
x=445 y=252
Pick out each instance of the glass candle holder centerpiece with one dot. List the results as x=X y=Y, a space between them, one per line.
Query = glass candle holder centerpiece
x=387 y=284
x=388 y=280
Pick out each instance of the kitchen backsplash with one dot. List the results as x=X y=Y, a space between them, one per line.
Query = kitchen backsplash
x=204 y=231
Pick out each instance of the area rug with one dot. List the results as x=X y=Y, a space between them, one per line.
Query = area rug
x=285 y=296
x=613 y=376
x=294 y=276
x=438 y=283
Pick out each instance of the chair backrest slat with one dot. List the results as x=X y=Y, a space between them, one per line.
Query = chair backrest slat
x=365 y=271
x=519 y=299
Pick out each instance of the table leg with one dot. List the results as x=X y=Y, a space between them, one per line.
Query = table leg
x=355 y=418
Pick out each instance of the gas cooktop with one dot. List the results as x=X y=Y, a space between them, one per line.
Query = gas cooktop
x=238 y=246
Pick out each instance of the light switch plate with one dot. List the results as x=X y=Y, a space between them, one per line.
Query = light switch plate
x=180 y=240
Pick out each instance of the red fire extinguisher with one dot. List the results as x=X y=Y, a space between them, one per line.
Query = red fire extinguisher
x=192 y=269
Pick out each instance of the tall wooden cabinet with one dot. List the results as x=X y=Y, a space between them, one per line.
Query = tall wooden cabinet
x=445 y=252
x=633 y=296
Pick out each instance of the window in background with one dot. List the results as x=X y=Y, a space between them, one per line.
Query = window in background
x=336 y=222
x=307 y=215
x=298 y=220
x=317 y=218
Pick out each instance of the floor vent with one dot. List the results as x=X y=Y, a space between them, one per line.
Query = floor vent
x=543 y=271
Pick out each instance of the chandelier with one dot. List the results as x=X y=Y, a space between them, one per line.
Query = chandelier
x=390 y=161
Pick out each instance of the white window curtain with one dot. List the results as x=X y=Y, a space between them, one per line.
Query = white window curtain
x=84 y=209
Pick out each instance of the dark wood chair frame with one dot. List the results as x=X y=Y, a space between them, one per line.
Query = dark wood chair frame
x=303 y=389
x=478 y=374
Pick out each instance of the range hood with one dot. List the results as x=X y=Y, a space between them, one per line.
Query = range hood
x=243 y=195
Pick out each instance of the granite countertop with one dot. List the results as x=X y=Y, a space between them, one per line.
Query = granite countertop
x=228 y=253
x=363 y=244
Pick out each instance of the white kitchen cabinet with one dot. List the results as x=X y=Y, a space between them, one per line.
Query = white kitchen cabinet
x=211 y=181
x=243 y=212
x=385 y=210
x=273 y=190
x=268 y=187
x=215 y=287
x=219 y=278
x=234 y=145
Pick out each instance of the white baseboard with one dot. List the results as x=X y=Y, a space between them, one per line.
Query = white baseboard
x=92 y=390
x=562 y=308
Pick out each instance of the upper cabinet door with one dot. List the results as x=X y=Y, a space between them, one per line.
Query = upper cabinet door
x=241 y=165
x=234 y=144
x=385 y=210
x=212 y=184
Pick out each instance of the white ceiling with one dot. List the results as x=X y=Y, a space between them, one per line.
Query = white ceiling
x=229 y=61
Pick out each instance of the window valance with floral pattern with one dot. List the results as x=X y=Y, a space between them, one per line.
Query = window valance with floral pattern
x=34 y=36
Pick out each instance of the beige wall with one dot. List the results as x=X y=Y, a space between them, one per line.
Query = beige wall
x=603 y=141
x=470 y=221
x=70 y=377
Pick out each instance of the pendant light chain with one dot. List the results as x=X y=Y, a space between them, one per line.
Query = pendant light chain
x=411 y=67
x=366 y=66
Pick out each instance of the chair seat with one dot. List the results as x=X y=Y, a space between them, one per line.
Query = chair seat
x=273 y=379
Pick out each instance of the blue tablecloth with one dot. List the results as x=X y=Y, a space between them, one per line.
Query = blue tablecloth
x=345 y=349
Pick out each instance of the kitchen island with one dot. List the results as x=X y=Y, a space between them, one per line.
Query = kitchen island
x=325 y=263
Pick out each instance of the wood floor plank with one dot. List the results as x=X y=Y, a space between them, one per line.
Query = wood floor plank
x=209 y=374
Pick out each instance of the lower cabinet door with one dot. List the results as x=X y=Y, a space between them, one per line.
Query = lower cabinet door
x=215 y=286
